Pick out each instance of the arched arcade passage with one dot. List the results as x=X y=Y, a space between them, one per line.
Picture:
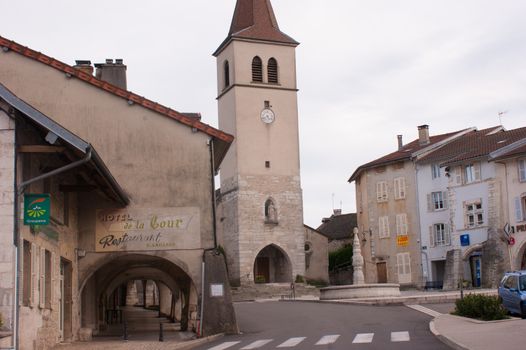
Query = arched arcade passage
x=125 y=287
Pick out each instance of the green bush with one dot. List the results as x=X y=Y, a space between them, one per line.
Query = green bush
x=299 y=279
x=316 y=283
x=339 y=257
x=260 y=279
x=482 y=307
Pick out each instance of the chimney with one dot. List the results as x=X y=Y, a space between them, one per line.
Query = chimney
x=423 y=134
x=113 y=73
x=337 y=212
x=84 y=65
x=400 y=143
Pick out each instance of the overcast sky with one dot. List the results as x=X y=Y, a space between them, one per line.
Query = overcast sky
x=367 y=70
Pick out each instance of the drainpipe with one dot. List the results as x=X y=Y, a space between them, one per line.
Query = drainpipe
x=19 y=191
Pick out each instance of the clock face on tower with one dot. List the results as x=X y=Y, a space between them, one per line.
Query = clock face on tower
x=267 y=116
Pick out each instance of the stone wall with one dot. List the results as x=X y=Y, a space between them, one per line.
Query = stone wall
x=7 y=197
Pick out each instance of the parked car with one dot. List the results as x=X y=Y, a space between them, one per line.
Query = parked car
x=512 y=291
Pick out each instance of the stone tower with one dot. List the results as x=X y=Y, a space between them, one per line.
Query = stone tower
x=260 y=211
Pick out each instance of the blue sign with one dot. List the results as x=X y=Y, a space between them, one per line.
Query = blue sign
x=464 y=240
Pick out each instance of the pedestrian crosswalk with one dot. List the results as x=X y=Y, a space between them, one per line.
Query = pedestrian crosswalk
x=360 y=338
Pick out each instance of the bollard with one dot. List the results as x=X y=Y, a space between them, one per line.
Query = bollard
x=161 y=335
x=461 y=289
x=125 y=335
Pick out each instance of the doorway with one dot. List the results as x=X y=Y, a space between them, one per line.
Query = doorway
x=65 y=300
x=272 y=265
x=381 y=271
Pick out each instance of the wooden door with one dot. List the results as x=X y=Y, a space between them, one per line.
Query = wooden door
x=262 y=273
x=381 y=269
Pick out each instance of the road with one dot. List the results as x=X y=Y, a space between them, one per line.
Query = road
x=305 y=325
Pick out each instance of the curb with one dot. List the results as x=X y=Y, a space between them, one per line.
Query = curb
x=448 y=341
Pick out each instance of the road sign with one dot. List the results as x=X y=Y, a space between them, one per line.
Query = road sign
x=36 y=209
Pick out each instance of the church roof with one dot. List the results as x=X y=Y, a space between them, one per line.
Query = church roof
x=255 y=19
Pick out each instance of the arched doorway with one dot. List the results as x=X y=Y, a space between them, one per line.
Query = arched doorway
x=473 y=265
x=133 y=287
x=272 y=265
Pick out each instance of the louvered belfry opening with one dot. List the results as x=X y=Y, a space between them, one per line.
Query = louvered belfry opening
x=226 y=72
x=257 y=69
x=272 y=71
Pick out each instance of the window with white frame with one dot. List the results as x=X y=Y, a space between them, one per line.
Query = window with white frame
x=471 y=173
x=399 y=188
x=383 y=227
x=401 y=224
x=439 y=235
x=438 y=199
x=522 y=170
x=381 y=191
x=435 y=171
x=403 y=265
x=474 y=214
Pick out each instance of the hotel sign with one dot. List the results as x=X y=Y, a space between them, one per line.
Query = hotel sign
x=137 y=229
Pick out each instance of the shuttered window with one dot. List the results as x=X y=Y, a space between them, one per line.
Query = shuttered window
x=401 y=224
x=383 y=227
x=399 y=188
x=472 y=173
x=522 y=170
x=403 y=264
x=381 y=191
x=257 y=70
x=439 y=235
x=272 y=70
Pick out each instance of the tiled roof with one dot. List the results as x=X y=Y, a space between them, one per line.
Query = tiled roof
x=519 y=151
x=475 y=145
x=339 y=226
x=128 y=95
x=255 y=19
x=403 y=154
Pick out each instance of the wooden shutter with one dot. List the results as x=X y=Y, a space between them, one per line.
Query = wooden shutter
x=42 y=277
x=431 y=236
x=518 y=209
x=54 y=270
x=445 y=199
x=379 y=191
x=386 y=223
x=257 y=69
x=34 y=276
x=402 y=187
x=522 y=170
x=429 y=202
x=476 y=171
x=272 y=70
x=457 y=175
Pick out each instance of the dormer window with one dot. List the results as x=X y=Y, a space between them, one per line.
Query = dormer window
x=226 y=72
x=257 y=70
x=272 y=71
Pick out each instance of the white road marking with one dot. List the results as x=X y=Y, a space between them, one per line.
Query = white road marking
x=224 y=345
x=362 y=338
x=256 y=344
x=425 y=310
x=327 y=339
x=291 y=342
x=399 y=336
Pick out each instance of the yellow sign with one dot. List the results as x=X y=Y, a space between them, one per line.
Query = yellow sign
x=402 y=241
x=135 y=229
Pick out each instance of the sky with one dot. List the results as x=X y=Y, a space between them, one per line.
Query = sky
x=367 y=70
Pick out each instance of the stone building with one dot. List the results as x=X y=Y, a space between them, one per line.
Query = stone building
x=338 y=228
x=260 y=204
x=387 y=208
x=150 y=216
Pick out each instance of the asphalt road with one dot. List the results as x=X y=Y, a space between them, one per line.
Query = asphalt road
x=304 y=325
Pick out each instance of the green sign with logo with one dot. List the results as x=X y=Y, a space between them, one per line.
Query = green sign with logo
x=37 y=208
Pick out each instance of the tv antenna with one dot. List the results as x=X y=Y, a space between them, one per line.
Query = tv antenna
x=500 y=116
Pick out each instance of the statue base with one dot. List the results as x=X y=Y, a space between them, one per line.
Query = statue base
x=353 y=291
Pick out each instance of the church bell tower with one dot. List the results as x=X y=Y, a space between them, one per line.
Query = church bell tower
x=260 y=221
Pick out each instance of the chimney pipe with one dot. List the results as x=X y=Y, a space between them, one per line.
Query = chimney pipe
x=84 y=65
x=423 y=134
x=112 y=72
x=400 y=143
x=337 y=212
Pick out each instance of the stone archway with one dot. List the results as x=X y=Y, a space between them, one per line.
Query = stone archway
x=272 y=265
x=520 y=258
x=101 y=292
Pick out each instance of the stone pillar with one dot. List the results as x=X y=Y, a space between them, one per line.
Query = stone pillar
x=454 y=270
x=149 y=298
x=131 y=294
x=357 y=259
